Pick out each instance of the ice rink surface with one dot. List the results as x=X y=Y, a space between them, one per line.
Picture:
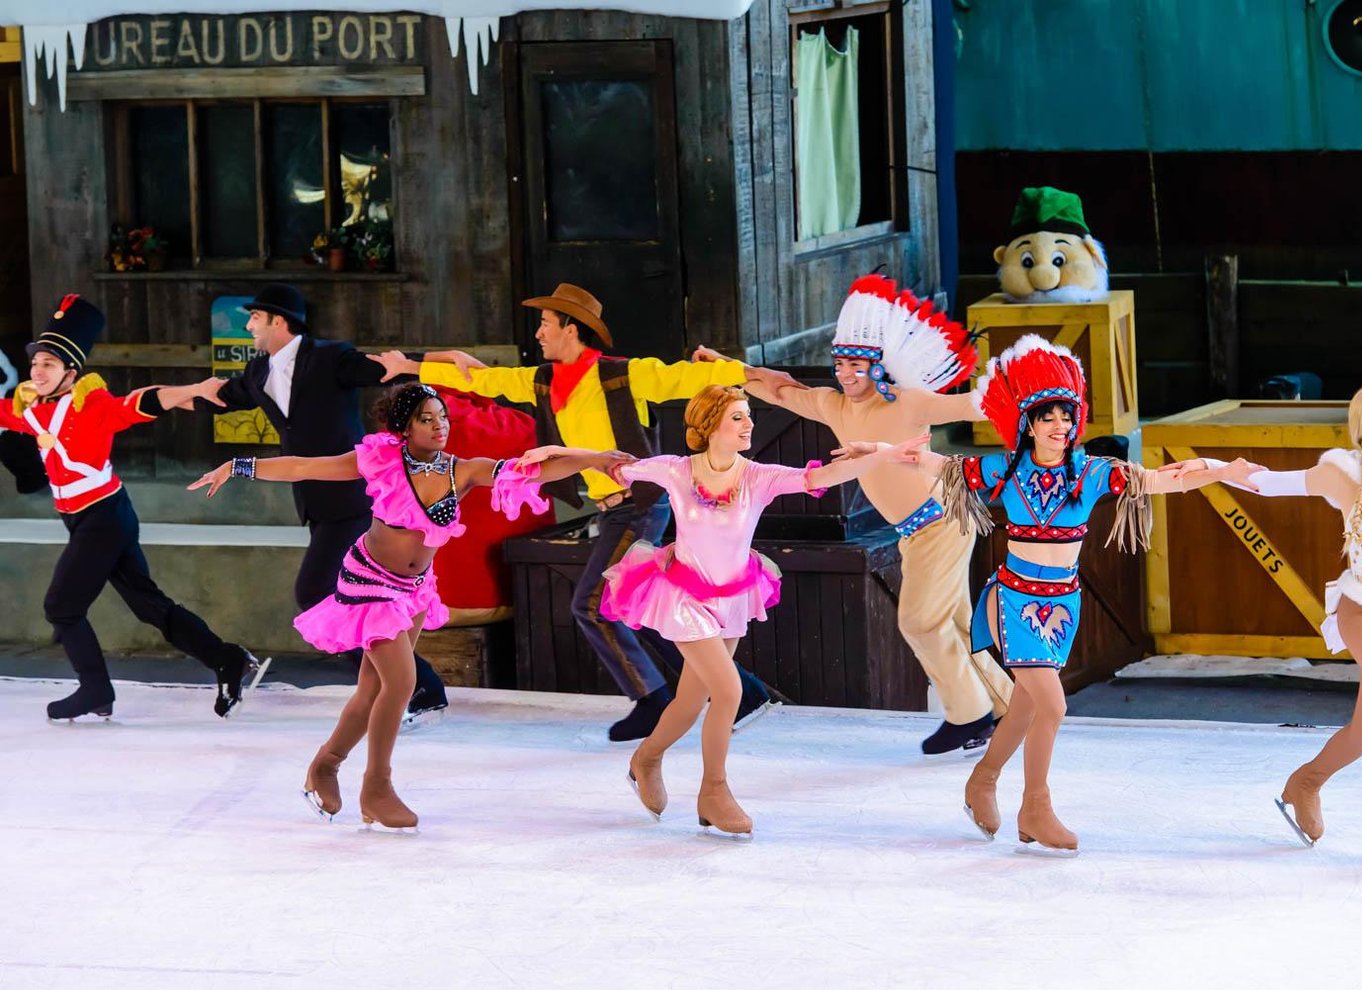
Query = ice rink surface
x=168 y=849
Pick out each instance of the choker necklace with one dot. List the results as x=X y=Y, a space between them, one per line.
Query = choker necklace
x=713 y=470
x=414 y=467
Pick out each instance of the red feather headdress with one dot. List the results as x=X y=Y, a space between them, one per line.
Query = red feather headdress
x=1030 y=373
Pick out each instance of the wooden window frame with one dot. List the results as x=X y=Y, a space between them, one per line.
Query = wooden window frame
x=119 y=132
x=824 y=12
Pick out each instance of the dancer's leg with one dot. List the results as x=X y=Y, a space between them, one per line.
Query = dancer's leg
x=392 y=660
x=1037 y=820
x=712 y=662
x=321 y=786
x=1343 y=747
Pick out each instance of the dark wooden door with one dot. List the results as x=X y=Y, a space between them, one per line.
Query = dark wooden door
x=15 y=312
x=599 y=146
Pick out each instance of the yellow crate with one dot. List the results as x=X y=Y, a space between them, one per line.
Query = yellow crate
x=1230 y=572
x=1101 y=334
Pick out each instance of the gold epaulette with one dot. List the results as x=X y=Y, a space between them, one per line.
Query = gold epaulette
x=24 y=396
x=84 y=386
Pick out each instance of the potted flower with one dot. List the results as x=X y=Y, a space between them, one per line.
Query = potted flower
x=331 y=247
x=152 y=247
x=374 y=246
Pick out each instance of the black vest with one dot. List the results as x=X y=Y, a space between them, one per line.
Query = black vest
x=630 y=436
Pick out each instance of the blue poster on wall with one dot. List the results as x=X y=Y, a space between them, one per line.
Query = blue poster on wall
x=232 y=348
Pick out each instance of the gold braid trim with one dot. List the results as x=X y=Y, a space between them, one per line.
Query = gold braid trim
x=964 y=506
x=1134 y=510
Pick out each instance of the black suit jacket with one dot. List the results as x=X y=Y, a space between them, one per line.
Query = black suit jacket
x=324 y=417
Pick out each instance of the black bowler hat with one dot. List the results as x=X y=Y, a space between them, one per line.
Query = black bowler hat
x=71 y=332
x=281 y=300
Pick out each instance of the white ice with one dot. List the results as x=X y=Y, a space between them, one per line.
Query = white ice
x=170 y=849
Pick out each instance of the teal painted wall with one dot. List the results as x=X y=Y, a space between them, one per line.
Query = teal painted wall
x=1161 y=75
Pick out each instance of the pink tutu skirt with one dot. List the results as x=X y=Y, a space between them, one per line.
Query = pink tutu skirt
x=371 y=604
x=650 y=587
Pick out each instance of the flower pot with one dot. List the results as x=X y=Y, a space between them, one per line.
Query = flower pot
x=156 y=261
x=335 y=260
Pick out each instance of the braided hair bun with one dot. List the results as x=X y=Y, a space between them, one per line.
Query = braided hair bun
x=705 y=410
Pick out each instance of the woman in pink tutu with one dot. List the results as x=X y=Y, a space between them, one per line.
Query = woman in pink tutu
x=703 y=590
x=386 y=594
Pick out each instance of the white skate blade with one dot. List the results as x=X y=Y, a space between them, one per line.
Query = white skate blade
x=417 y=721
x=1034 y=848
x=89 y=718
x=753 y=715
x=982 y=831
x=1308 y=842
x=260 y=669
x=714 y=832
x=634 y=784
x=378 y=828
x=316 y=805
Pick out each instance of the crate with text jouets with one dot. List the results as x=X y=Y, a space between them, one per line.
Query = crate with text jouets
x=1230 y=572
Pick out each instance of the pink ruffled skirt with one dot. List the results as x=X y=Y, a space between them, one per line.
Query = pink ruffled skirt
x=371 y=604
x=650 y=587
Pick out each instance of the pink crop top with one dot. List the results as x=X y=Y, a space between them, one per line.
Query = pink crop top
x=379 y=458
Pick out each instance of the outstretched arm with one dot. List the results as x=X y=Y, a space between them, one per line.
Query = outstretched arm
x=1187 y=476
x=563 y=462
x=936 y=409
x=856 y=459
x=341 y=467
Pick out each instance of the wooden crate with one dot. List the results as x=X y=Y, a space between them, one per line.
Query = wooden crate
x=1111 y=629
x=1101 y=334
x=472 y=656
x=1231 y=572
x=832 y=640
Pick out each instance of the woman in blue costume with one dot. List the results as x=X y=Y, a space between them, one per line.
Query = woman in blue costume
x=1035 y=394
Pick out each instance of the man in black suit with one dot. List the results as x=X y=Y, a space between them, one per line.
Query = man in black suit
x=309 y=390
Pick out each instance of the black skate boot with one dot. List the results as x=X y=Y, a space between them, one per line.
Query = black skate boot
x=85 y=700
x=949 y=736
x=239 y=673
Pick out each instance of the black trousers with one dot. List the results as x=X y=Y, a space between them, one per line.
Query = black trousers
x=103 y=548
x=316 y=580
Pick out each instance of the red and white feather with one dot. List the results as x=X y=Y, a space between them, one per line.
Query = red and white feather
x=1029 y=373
x=865 y=313
x=924 y=348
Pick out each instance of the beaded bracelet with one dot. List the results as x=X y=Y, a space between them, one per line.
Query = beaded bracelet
x=243 y=467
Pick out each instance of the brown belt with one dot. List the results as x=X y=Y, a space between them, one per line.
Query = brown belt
x=614 y=501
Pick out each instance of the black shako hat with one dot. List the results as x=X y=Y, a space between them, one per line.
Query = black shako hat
x=71 y=332
x=280 y=299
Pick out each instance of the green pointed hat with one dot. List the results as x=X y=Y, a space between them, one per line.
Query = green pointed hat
x=1048 y=208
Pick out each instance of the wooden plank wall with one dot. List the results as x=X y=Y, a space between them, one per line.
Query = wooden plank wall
x=788 y=300
x=700 y=56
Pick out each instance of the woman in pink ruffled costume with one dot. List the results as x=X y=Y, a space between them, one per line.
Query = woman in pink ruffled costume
x=703 y=590
x=386 y=594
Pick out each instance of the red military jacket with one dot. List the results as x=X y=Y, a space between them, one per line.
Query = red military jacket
x=75 y=436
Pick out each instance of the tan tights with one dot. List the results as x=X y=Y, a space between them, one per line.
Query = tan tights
x=708 y=675
x=1036 y=711
x=387 y=677
x=1345 y=745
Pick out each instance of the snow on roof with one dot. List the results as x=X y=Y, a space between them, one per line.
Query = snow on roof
x=50 y=28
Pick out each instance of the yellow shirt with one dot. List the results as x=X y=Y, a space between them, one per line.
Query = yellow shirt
x=585 y=420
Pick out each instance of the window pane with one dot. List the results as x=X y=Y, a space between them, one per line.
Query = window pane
x=361 y=172
x=293 y=163
x=227 y=189
x=593 y=195
x=160 y=174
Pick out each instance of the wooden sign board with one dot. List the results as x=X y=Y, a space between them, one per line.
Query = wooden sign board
x=232 y=348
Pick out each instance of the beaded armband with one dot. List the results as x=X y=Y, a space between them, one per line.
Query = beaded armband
x=243 y=467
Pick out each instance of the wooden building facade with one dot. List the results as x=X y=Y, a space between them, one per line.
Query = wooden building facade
x=650 y=159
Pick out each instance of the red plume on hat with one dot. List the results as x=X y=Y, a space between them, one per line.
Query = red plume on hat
x=1030 y=373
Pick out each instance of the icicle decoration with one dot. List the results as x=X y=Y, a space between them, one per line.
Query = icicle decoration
x=478 y=35
x=50 y=43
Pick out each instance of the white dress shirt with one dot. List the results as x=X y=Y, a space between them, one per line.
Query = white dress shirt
x=279 y=382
